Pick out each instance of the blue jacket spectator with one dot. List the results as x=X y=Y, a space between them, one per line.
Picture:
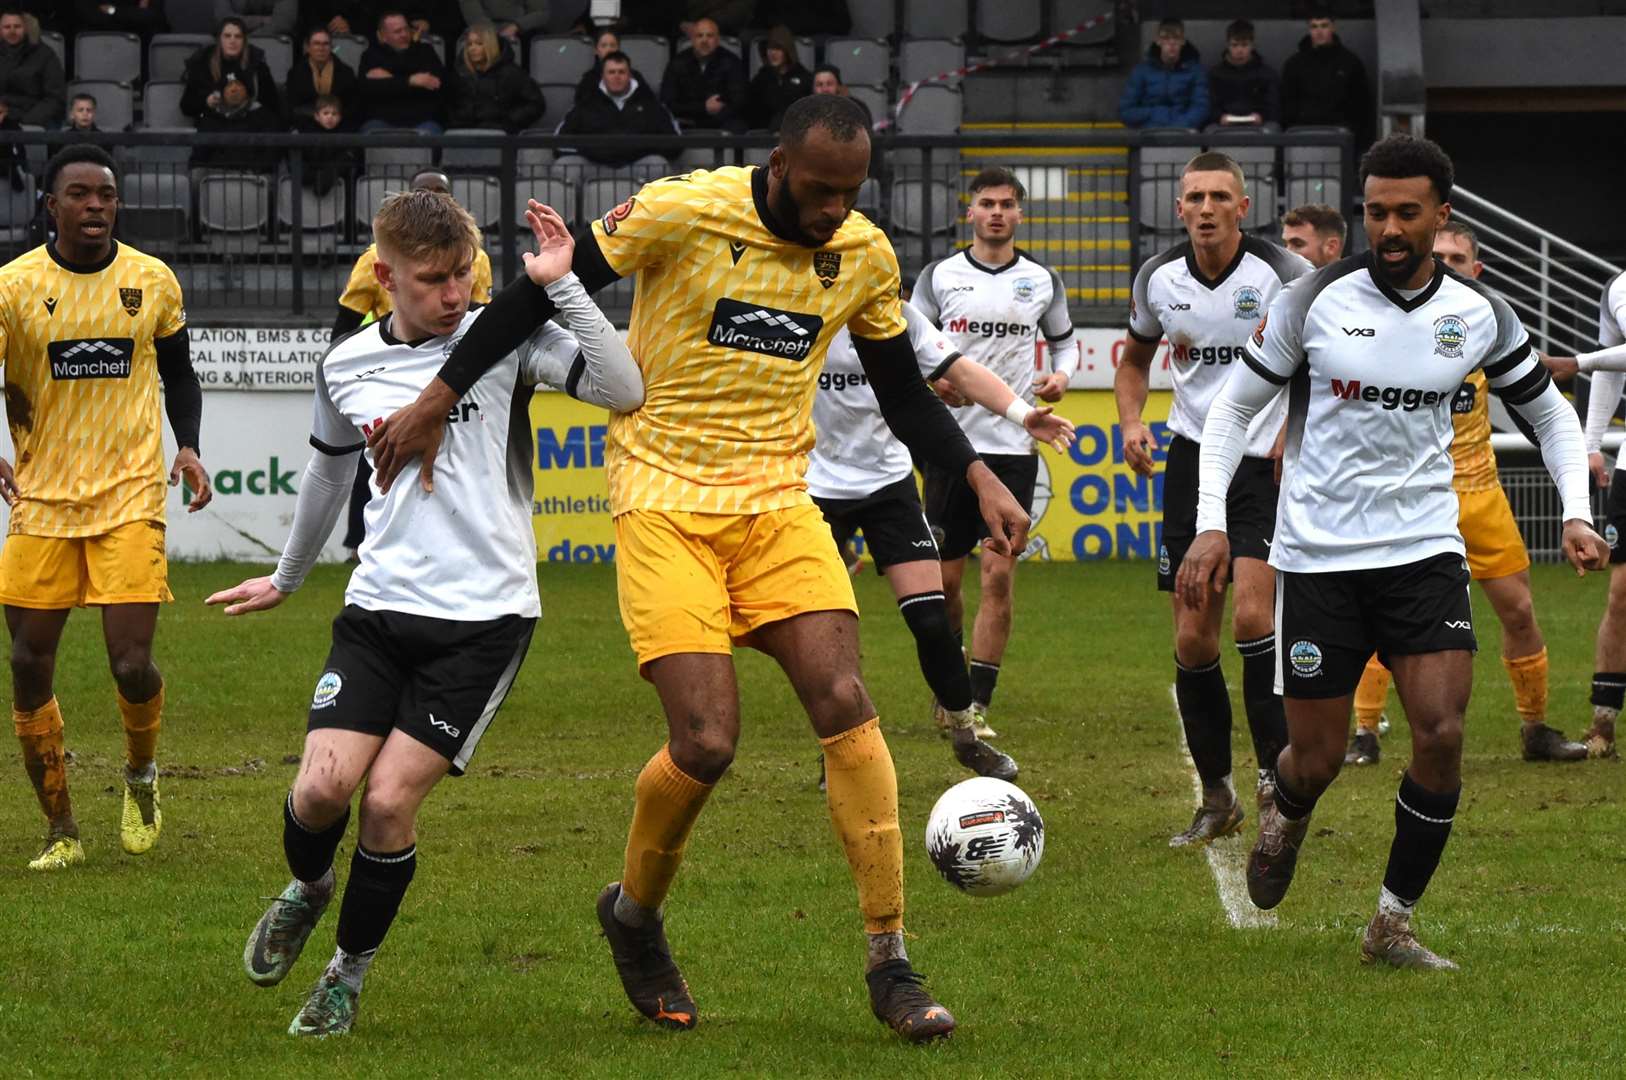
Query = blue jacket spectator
x=1169 y=88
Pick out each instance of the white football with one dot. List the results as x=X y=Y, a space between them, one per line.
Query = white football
x=985 y=836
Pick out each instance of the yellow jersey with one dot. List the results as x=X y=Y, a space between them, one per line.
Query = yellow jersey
x=363 y=294
x=1471 y=451
x=730 y=325
x=82 y=389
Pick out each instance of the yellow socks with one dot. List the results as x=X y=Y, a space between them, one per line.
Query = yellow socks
x=40 y=733
x=141 y=729
x=668 y=802
x=1529 y=676
x=1371 y=695
x=862 y=789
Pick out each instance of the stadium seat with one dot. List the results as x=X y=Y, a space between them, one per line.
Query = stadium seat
x=1259 y=167
x=349 y=47
x=57 y=44
x=559 y=194
x=606 y=193
x=190 y=16
x=873 y=98
x=805 y=53
x=558 y=98
x=533 y=159
x=16 y=210
x=370 y=191
x=279 y=53
x=648 y=54
x=1008 y=21
x=556 y=59
x=233 y=202
x=861 y=60
x=923 y=59
x=869 y=198
x=155 y=208
x=173 y=151
x=909 y=207
x=106 y=55
x=317 y=212
x=934 y=110
x=400 y=160
x=167 y=55
x=1314 y=173
x=936 y=18
x=453 y=156
x=1160 y=182
x=115 y=102
x=1066 y=14
x=873 y=20
x=481 y=196
x=161 y=106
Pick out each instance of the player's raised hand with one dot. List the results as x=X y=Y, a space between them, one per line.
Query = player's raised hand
x=1052 y=387
x=255 y=594
x=1207 y=565
x=1052 y=430
x=8 y=483
x=1138 y=447
x=1584 y=549
x=1600 y=471
x=187 y=467
x=555 y=247
x=411 y=432
x=1007 y=522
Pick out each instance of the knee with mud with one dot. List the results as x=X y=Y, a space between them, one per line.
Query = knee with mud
x=703 y=752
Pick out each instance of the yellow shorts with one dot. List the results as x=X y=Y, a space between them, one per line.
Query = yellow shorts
x=1495 y=548
x=701 y=583
x=125 y=566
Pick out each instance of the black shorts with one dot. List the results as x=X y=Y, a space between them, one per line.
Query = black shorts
x=893 y=524
x=1614 y=518
x=1250 y=509
x=1328 y=625
x=952 y=507
x=439 y=680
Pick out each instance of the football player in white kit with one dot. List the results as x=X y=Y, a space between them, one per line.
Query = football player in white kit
x=1367 y=550
x=992 y=301
x=862 y=478
x=1206 y=295
x=439 y=613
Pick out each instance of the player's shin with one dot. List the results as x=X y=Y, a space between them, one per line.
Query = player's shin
x=1529 y=677
x=141 y=722
x=1205 y=713
x=941 y=661
x=1422 y=826
x=1267 y=723
x=669 y=802
x=40 y=733
x=863 y=797
x=309 y=850
x=372 y=895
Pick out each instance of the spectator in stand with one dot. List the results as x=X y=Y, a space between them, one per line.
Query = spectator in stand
x=705 y=83
x=401 y=80
x=31 y=83
x=144 y=17
x=1168 y=89
x=516 y=20
x=235 y=110
x=488 y=89
x=329 y=165
x=729 y=16
x=827 y=80
x=620 y=105
x=261 y=16
x=605 y=42
x=781 y=80
x=1242 y=87
x=805 y=19
x=230 y=61
x=1325 y=83
x=82 y=113
x=319 y=73
x=336 y=16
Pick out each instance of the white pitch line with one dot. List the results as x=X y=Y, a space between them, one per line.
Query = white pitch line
x=1226 y=857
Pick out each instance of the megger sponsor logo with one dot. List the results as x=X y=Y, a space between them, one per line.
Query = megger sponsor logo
x=759 y=329
x=983 y=328
x=1184 y=353
x=1404 y=398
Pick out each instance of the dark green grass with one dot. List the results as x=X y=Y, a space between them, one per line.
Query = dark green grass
x=1115 y=960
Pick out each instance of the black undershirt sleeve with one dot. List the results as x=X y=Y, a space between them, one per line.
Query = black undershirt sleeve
x=183 y=396
x=344 y=322
x=916 y=416
x=514 y=314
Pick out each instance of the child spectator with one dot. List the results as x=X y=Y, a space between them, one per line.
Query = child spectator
x=82 y=113
x=325 y=166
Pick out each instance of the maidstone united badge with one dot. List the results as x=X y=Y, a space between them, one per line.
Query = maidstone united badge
x=131 y=299
x=827 y=267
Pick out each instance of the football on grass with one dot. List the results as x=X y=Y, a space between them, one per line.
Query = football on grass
x=985 y=836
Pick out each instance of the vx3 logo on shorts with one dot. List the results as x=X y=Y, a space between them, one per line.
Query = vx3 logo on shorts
x=444 y=726
x=1458 y=624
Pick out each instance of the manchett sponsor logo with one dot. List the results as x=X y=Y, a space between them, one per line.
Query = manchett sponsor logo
x=1305 y=656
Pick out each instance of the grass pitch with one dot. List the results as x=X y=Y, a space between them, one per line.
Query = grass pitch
x=1116 y=959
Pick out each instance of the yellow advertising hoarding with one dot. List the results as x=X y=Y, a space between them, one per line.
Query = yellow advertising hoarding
x=1088 y=503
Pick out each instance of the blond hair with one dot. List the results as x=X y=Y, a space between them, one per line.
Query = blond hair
x=486 y=35
x=424 y=226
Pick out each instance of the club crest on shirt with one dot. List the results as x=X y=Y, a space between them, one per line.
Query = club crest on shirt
x=827 y=267
x=1248 y=302
x=1024 y=289
x=131 y=299
x=1450 y=335
x=615 y=217
x=1305 y=656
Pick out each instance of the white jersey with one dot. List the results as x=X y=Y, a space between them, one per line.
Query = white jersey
x=856 y=454
x=1207 y=321
x=467 y=551
x=1366 y=476
x=994 y=315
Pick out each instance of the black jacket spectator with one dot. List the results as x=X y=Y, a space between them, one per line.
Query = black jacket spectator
x=640 y=113
x=690 y=82
x=127 y=15
x=323 y=166
x=1245 y=90
x=301 y=89
x=31 y=83
x=395 y=100
x=528 y=16
x=1327 y=85
x=501 y=96
x=229 y=117
x=587 y=85
x=262 y=16
x=207 y=73
x=772 y=90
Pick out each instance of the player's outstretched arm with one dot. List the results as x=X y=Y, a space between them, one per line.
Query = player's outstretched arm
x=1129 y=388
x=982 y=387
x=183 y=403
